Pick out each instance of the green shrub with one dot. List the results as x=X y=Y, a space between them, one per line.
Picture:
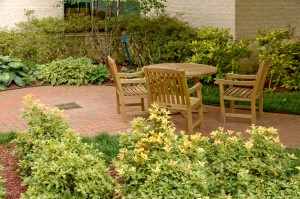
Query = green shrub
x=76 y=23
x=68 y=168
x=43 y=124
x=11 y=70
x=54 y=160
x=158 y=39
x=216 y=47
x=2 y=189
x=40 y=41
x=155 y=163
x=80 y=71
x=282 y=46
x=258 y=167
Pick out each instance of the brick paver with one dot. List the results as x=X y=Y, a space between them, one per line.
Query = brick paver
x=98 y=113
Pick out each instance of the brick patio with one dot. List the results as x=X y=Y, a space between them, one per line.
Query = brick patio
x=97 y=113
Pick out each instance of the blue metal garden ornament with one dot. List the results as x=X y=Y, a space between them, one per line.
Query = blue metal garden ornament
x=124 y=40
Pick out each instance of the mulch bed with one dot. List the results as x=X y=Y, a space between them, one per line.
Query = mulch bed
x=13 y=180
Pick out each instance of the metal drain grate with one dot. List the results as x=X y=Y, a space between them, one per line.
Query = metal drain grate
x=67 y=106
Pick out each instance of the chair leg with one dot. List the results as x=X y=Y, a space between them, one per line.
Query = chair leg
x=231 y=105
x=260 y=106
x=253 y=112
x=222 y=110
x=143 y=104
x=118 y=103
x=123 y=109
x=200 y=115
x=189 y=118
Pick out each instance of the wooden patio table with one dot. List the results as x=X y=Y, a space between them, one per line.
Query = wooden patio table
x=191 y=70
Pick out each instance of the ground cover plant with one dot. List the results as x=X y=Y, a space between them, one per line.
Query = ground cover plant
x=106 y=144
x=71 y=71
x=276 y=102
x=11 y=70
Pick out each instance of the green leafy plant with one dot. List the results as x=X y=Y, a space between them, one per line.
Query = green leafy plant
x=2 y=189
x=77 y=23
x=11 y=70
x=282 y=46
x=216 y=47
x=71 y=71
x=156 y=163
x=39 y=41
x=101 y=74
x=259 y=167
x=54 y=160
x=160 y=38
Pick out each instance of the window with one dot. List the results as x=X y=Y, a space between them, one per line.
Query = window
x=98 y=7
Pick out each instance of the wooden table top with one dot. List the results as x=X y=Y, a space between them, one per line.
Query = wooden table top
x=191 y=70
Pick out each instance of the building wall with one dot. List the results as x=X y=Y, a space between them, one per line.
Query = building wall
x=12 y=11
x=243 y=17
x=254 y=15
x=218 y=13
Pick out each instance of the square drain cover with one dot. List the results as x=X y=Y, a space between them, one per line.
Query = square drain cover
x=67 y=106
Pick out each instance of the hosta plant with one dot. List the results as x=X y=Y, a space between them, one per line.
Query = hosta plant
x=55 y=162
x=156 y=163
x=72 y=71
x=11 y=70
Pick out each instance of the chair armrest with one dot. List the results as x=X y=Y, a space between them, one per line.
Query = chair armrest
x=239 y=76
x=235 y=82
x=196 y=87
x=130 y=75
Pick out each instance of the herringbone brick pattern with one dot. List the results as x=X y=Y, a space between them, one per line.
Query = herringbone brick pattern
x=97 y=113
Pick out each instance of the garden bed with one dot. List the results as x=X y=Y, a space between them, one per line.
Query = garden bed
x=13 y=179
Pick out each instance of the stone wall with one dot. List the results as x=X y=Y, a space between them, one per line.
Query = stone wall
x=219 y=13
x=12 y=11
x=254 y=15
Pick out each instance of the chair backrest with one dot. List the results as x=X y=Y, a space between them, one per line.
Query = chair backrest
x=262 y=75
x=167 y=87
x=114 y=72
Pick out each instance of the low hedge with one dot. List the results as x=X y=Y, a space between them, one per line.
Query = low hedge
x=153 y=162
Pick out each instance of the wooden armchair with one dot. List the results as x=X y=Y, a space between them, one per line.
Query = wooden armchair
x=128 y=86
x=168 y=88
x=243 y=88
